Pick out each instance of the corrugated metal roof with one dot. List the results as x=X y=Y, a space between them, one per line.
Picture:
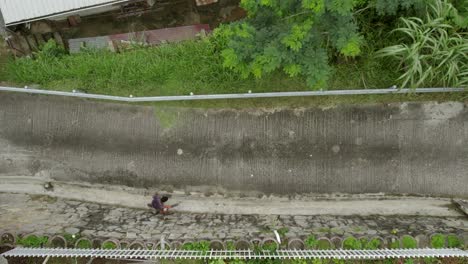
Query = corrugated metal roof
x=21 y=11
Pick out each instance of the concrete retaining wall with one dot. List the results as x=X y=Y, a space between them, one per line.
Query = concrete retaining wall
x=398 y=148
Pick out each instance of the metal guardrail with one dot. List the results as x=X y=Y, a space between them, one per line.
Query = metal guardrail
x=235 y=254
x=391 y=90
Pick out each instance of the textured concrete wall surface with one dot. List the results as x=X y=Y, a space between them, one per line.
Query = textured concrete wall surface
x=397 y=148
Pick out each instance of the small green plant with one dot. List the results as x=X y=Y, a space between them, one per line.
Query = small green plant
x=84 y=243
x=311 y=242
x=51 y=50
x=409 y=261
x=409 y=242
x=32 y=241
x=438 y=241
x=454 y=242
x=109 y=245
x=352 y=243
x=203 y=246
x=374 y=243
x=270 y=246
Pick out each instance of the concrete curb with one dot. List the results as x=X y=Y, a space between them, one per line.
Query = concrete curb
x=138 y=198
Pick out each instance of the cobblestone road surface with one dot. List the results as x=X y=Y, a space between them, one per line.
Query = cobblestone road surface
x=27 y=214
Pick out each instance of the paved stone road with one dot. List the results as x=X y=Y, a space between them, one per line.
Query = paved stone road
x=26 y=214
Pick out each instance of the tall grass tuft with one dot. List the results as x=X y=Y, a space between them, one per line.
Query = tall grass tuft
x=435 y=53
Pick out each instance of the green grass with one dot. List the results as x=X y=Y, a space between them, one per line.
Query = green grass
x=195 y=66
x=438 y=241
x=352 y=243
x=409 y=242
x=312 y=101
x=174 y=69
x=454 y=242
x=32 y=241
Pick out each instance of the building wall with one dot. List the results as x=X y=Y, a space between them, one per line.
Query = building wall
x=399 y=148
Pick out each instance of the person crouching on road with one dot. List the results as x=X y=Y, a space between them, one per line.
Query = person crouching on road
x=158 y=204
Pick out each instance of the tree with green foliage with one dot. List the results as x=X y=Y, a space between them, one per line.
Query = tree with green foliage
x=296 y=36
